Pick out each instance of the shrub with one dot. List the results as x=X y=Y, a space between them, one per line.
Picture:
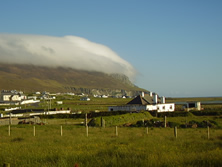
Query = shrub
x=175 y=114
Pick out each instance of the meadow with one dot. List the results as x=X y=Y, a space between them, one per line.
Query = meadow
x=132 y=147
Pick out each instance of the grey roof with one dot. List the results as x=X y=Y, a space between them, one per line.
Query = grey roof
x=139 y=100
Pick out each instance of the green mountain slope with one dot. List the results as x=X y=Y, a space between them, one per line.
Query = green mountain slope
x=31 y=78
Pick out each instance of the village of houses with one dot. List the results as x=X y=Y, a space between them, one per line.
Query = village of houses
x=142 y=102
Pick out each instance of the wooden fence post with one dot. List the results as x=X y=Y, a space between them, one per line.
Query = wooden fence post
x=33 y=130
x=175 y=132
x=87 y=131
x=116 y=131
x=165 y=120
x=9 y=130
x=61 y=130
x=143 y=122
x=147 y=130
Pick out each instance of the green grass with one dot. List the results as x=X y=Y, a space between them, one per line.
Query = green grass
x=119 y=120
x=76 y=105
x=63 y=121
x=132 y=147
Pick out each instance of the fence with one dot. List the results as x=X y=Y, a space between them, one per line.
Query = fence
x=146 y=131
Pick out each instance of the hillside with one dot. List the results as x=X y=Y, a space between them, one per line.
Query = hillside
x=31 y=78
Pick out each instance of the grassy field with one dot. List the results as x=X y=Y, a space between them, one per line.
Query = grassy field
x=76 y=105
x=100 y=104
x=132 y=147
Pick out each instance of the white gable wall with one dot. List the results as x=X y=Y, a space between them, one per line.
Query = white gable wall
x=6 y=97
x=166 y=107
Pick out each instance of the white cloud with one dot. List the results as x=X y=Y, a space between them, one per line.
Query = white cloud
x=68 y=51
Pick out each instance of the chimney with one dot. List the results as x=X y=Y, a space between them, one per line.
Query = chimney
x=155 y=99
x=142 y=94
x=151 y=94
x=162 y=99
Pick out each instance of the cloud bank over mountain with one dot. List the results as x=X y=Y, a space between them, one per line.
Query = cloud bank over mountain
x=68 y=51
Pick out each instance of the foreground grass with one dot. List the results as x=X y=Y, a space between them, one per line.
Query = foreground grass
x=132 y=147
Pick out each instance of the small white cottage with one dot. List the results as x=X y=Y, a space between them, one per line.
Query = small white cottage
x=11 y=96
x=85 y=99
x=147 y=103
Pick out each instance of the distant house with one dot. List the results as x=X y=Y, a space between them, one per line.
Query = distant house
x=11 y=96
x=14 y=97
x=45 y=93
x=104 y=96
x=146 y=103
x=32 y=97
x=30 y=101
x=59 y=102
x=70 y=93
x=85 y=99
x=187 y=106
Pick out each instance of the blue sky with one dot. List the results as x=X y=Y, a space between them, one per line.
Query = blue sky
x=175 y=45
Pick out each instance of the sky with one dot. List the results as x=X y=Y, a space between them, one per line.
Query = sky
x=171 y=47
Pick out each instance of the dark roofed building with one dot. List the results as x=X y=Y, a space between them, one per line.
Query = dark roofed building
x=146 y=103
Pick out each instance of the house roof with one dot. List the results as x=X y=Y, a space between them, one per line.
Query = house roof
x=141 y=100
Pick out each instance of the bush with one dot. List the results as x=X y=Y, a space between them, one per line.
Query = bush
x=202 y=124
x=174 y=114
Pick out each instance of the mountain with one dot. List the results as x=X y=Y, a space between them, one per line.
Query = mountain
x=30 y=78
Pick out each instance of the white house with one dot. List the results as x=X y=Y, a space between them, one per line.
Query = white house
x=59 y=102
x=104 y=96
x=187 y=106
x=11 y=96
x=85 y=99
x=32 y=97
x=146 y=103
x=29 y=101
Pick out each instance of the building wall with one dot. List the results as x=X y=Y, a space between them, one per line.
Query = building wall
x=11 y=98
x=127 y=108
x=167 y=107
x=15 y=98
x=192 y=106
x=6 y=97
